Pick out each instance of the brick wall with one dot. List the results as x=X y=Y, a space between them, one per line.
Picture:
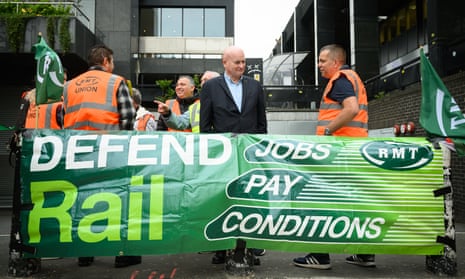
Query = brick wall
x=402 y=106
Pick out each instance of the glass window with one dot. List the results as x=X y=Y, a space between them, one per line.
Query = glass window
x=193 y=23
x=215 y=25
x=156 y=22
x=146 y=22
x=171 y=22
x=182 y=22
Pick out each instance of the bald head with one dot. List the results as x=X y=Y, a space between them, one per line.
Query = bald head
x=232 y=51
x=234 y=62
x=208 y=75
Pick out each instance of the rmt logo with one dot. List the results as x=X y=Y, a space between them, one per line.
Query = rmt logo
x=396 y=155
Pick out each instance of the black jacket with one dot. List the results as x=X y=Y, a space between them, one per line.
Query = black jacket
x=219 y=113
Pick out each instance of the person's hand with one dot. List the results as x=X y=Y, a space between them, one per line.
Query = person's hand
x=163 y=108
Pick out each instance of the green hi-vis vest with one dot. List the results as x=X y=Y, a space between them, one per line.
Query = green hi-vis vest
x=194 y=117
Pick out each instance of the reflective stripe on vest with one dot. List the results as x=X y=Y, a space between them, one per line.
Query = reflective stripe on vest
x=194 y=117
x=329 y=109
x=46 y=116
x=90 y=101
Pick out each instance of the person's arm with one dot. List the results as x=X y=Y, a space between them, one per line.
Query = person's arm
x=127 y=113
x=349 y=111
x=343 y=93
x=161 y=125
x=178 y=122
x=162 y=109
x=171 y=120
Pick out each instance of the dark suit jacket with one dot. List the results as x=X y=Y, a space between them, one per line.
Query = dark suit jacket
x=219 y=113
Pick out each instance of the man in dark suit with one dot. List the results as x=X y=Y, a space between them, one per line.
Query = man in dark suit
x=233 y=103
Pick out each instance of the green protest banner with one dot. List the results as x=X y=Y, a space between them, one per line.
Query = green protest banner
x=134 y=193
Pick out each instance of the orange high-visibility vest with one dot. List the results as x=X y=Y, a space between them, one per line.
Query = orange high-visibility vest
x=90 y=101
x=46 y=116
x=175 y=108
x=329 y=109
x=142 y=122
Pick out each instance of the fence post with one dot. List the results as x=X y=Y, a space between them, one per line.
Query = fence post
x=18 y=266
x=445 y=264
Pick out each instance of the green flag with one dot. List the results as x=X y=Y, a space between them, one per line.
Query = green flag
x=5 y=128
x=440 y=115
x=50 y=76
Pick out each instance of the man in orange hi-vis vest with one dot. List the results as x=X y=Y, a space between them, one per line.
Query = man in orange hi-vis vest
x=99 y=100
x=344 y=105
x=343 y=112
x=44 y=116
x=186 y=95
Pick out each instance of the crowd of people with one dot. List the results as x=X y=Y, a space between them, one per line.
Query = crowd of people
x=230 y=102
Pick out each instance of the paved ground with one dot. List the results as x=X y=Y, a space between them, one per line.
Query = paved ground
x=275 y=264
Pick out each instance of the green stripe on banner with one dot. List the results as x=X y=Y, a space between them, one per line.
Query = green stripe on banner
x=137 y=193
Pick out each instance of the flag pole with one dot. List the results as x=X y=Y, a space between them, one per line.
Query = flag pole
x=39 y=35
x=441 y=118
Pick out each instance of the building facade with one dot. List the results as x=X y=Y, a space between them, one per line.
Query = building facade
x=178 y=37
x=382 y=38
x=383 y=41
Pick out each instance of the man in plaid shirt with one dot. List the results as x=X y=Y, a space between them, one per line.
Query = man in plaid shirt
x=99 y=100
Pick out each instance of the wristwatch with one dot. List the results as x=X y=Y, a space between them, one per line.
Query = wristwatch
x=327 y=132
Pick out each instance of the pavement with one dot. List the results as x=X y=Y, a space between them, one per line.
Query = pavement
x=275 y=264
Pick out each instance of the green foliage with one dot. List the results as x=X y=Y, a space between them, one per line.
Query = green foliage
x=7 y=8
x=379 y=95
x=166 y=88
x=19 y=8
x=197 y=81
x=51 y=26
x=15 y=14
x=64 y=36
x=15 y=29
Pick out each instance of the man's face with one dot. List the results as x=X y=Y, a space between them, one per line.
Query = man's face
x=204 y=78
x=108 y=64
x=184 y=89
x=234 y=64
x=327 y=65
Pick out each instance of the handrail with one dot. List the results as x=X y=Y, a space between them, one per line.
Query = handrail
x=393 y=70
x=408 y=60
